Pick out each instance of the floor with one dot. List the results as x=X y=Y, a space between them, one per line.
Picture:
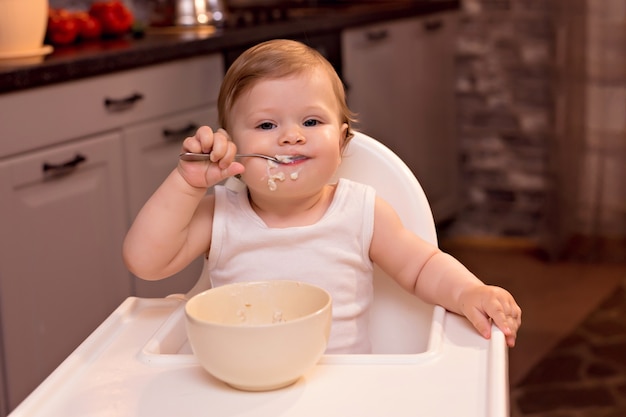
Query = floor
x=556 y=297
x=585 y=374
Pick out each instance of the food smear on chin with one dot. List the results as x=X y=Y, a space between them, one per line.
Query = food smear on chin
x=272 y=178
x=271 y=181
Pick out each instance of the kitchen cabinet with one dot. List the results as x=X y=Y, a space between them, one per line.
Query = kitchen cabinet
x=77 y=160
x=400 y=77
x=63 y=220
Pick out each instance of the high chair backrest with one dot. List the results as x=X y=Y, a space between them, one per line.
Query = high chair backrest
x=400 y=322
x=370 y=162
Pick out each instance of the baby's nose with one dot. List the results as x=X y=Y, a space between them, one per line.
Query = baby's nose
x=293 y=137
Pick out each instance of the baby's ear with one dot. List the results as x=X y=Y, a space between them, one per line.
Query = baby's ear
x=344 y=135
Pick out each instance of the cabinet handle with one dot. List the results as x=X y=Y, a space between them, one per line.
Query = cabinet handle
x=55 y=170
x=433 y=25
x=377 y=35
x=176 y=134
x=120 y=104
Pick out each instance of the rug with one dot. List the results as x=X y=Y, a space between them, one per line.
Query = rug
x=585 y=374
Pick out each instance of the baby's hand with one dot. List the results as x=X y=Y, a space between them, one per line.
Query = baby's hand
x=222 y=164
x=485 y=303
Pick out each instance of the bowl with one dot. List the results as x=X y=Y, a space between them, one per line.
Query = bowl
x=259 y=336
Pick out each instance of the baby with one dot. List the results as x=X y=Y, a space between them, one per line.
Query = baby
x=287 y=220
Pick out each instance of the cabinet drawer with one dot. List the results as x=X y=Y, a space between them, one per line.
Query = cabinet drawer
x=49 y=115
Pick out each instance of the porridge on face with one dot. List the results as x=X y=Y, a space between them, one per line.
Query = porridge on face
x=274 y=177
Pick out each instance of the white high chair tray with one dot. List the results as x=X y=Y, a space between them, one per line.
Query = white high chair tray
x=138 y=363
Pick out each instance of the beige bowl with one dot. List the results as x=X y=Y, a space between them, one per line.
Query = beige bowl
x=259 y=336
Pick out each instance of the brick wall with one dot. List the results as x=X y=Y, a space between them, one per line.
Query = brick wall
x=505 y=53
x=542 y=119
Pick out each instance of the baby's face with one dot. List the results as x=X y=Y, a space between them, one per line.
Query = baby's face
x=293 y=116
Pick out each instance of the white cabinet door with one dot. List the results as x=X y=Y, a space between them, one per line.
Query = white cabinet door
x=400 y=78
x=151 y=151
x=370 y=57
x=62 y=218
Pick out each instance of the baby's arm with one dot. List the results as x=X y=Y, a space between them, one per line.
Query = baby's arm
x=174 y=226
x=438 y=278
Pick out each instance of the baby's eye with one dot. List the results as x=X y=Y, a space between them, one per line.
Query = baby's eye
x=311 y=122
x=266 y=126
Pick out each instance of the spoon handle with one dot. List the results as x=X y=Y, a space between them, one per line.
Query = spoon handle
x=192 y=156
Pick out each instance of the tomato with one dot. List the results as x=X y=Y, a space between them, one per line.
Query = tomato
x=88 y=27
x=114 y=17
x=109 y=18
x=62 y=27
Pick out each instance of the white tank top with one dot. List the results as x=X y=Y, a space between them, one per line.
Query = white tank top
x=332 y=253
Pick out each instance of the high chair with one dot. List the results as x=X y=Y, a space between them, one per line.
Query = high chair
x=426 y=361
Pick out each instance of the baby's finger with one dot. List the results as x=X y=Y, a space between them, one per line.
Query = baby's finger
x=206 y=137
x=509 y=320
x=500 y=319
x=229 y=155
x=221 y=145
x=192 y=144
x=510 y=340
x=200 y=142
x=480 y=322
x=233 y=169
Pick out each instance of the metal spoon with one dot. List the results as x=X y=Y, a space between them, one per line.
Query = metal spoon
x=282 y=159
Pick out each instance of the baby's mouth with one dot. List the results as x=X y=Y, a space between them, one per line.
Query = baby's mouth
x=290 y=159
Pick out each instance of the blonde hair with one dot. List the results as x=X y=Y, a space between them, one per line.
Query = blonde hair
x=276 y=59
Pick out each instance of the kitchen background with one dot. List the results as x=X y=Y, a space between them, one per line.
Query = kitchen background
x=541 y=110
x=541 y=121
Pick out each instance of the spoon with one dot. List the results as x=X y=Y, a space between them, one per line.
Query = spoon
x=279 y=159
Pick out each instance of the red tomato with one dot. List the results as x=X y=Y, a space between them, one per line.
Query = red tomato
x=88 y=26
x=114 y=17
x=62 y=27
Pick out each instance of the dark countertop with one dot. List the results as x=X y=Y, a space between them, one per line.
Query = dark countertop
x=91 y=59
